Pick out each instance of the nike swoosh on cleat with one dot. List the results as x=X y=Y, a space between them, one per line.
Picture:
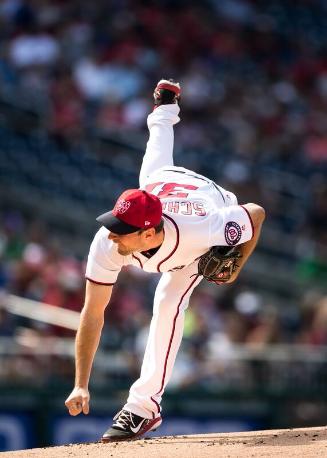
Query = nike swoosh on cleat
x=137 y=429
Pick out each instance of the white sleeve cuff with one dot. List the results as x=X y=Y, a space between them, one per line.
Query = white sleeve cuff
x=164 y=114
x=103 y=263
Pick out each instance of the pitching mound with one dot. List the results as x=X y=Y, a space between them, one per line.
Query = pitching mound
x=306 y=442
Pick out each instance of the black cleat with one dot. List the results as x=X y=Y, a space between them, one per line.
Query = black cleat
x=166 y=91
x=128 y=426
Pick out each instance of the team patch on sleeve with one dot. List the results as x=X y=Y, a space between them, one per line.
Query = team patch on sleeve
x=230 y=226
x=233 y=233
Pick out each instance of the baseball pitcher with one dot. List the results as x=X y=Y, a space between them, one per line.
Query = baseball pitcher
x=179 y=223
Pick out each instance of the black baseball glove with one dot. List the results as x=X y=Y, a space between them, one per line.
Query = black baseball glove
x=219 y=263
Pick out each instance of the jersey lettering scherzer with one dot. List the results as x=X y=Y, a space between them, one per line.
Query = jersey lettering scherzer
x=197 y=213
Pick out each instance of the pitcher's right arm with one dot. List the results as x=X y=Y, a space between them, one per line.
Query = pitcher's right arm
x=87 y=341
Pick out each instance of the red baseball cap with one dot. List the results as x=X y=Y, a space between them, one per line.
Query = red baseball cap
x=135 y=209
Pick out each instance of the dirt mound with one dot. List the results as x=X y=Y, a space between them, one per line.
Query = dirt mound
x=304 y=442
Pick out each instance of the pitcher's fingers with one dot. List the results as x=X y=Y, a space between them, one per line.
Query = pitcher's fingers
x=75 y=409
x=86 y=406
x=71 y=401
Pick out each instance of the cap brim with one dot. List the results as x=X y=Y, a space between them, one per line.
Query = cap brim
x=113 y=224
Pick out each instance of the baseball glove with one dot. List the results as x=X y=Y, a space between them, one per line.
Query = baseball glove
x=218 y=264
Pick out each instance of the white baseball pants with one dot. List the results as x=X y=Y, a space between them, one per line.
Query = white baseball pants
x=173 y=291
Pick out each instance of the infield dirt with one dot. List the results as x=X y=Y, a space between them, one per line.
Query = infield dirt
x=300 y=443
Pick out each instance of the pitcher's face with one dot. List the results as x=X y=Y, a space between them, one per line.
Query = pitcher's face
x=129 y=243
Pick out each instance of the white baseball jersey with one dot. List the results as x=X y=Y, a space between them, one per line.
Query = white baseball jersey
x=198 y=214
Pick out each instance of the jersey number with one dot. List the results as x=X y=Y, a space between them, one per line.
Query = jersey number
x=169 y=189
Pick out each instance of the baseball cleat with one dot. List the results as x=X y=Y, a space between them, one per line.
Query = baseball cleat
x=166 y=91
x=129 y=426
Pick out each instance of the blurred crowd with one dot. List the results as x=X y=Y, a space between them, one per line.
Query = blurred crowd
x=253 y=73
x=254 y=79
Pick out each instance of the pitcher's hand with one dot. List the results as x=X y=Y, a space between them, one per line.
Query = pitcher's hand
x=78 y=401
